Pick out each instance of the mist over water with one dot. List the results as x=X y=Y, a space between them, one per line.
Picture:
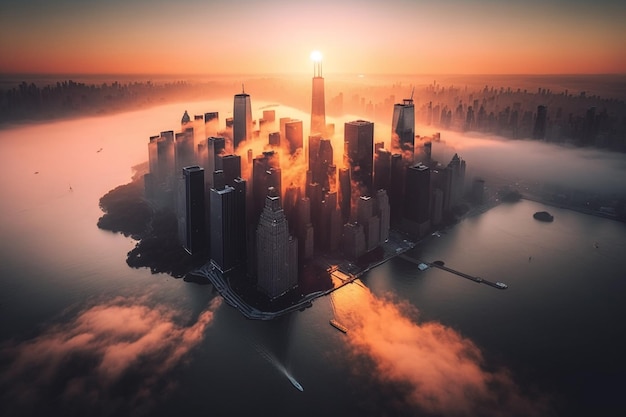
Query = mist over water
x=588 y=169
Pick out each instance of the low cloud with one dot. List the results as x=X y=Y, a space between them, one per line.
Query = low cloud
x=110 y=359
x=431 y=368
x=585 y=169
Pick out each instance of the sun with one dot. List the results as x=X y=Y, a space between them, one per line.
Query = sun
x=316 y=56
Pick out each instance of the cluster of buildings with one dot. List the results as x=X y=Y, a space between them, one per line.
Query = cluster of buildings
x=233 y=207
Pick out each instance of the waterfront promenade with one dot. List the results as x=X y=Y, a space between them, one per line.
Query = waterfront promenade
x=342 y=273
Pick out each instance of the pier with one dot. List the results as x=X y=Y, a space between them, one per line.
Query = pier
x=439 y=264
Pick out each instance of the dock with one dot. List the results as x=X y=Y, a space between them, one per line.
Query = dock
x=438 y=264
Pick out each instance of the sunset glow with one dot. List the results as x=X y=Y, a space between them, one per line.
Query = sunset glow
x=192 y=37
x=316 y=56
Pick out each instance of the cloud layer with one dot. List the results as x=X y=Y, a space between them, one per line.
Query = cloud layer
x=110 y=359
x=431 y=368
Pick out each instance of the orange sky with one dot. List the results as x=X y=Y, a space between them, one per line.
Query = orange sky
x=276 y=36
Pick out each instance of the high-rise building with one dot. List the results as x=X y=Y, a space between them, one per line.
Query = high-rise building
x=277 y=251
x=215 y=149
x=359 y=152
x=274 y=139
x=345 y=194
x=318 y=106
x=211 y=124
x=242 y=119
x=227 y=218
x=382 y=169
x=231 y=165
x=265 y=173
x=294 y=135
x=191 y=226
x=370 y=223
x=417 y=193
x=184 y=150
x=353 y=240
x=383 y=212
x=403 y=127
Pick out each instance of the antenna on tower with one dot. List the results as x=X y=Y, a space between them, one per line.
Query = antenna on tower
x=243 y=90
x=412 y=91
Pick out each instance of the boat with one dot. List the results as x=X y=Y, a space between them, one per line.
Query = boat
x=543 y=216
x=338 y=326
x=422 y=266
x=501 y=285
x=295 y=383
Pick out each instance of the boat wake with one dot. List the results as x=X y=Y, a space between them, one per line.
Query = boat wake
x=271 y=359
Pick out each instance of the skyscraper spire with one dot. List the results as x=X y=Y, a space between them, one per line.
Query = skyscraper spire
x=318 y=106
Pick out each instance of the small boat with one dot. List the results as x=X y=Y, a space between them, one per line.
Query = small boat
x=338 y=326
x=501 y=285
x=422 y=266
x=295 y=383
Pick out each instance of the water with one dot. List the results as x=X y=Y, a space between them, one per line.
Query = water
x=82 y=332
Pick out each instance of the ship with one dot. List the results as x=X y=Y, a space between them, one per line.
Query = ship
x=501 y=285
x=295 y=383
x=339 y=326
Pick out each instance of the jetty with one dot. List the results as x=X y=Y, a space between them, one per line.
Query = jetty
x=439 y=264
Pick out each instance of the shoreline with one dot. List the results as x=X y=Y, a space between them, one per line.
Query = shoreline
x=395 y=246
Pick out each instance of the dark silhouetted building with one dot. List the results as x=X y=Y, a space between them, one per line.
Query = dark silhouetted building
x=416 y=215
x=227 y=218
x=192 y=210
x=403 y=126
x=359 y=152
x=353 y=241
x=277 y=251
x=539 y=131
x=215 y=149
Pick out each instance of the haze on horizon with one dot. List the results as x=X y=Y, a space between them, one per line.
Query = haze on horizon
x=276 y=36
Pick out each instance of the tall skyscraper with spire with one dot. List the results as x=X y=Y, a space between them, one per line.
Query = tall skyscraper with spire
x=318 y=106
x=242 y=119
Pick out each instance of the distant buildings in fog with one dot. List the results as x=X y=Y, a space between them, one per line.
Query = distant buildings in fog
x=271 y=229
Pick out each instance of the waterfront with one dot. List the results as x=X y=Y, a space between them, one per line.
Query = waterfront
x=418 y=342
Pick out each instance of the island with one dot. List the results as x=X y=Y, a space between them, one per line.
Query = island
x=543 y=216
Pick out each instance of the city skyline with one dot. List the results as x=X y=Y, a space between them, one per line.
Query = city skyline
x=191 y=37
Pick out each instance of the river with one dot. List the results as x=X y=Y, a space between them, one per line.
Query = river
x=81 y=332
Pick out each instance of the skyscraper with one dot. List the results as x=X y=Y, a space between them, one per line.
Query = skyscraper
x=403 y=126
x=318 y=106
x=242 y=119
x=277 y=251
x=215 y=149
x=211 y=123
x=294 y=135
x=417 y=193
x=227 y=218
x=191 y=228
x=359 y=151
